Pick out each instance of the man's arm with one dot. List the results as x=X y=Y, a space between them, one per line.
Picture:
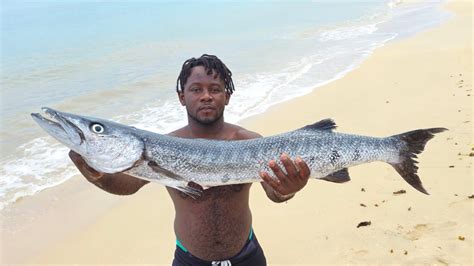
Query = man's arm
x=119 y=184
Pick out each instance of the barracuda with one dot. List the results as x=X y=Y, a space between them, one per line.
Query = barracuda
x=111 y=147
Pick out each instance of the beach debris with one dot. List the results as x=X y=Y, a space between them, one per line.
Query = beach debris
x=455 y=143
x=409 y=208
x=391 y=251
x=471 y=197
x=387 y=102
x=362 y=189
x=376 y=205
x=461 y=238
x=451 y=166
x=363 y=205
x=405 y=253
x=366 y=223
x=471 y=154
x=402 y=191
x=460 y=74
x=455 y=195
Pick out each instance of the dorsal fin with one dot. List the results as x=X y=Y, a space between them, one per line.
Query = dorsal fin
x=325 y=124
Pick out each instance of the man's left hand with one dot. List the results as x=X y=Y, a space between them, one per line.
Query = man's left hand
x=296 y=177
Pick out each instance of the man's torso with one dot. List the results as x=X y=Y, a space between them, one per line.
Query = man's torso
x=217 y=225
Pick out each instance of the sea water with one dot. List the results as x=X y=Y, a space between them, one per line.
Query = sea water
x=120 y=60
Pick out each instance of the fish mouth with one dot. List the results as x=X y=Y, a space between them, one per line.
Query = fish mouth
x=61 y=126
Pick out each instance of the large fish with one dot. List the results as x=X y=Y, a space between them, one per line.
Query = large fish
x=110 y=147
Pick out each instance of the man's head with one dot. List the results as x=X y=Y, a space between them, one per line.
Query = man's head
x=204 y=86
x=212 y=64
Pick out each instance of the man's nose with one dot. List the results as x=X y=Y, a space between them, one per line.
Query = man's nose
x=206 y=96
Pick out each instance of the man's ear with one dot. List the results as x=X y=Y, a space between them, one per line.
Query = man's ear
x=181 y=98
x=227 y=98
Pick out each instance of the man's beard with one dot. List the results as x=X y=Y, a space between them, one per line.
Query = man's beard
x=206 y=121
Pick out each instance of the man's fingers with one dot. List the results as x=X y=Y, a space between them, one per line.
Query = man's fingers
x=277 y=171
x=304 y=169
x=269 y=180
x=75 y=157
x=289 y=165
x=86 y=170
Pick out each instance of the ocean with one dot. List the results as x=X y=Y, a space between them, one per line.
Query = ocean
x=120 y=60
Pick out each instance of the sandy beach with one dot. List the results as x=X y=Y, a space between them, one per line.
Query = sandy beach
x=419 y=82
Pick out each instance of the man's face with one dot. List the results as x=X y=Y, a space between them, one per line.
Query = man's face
x=204 y=96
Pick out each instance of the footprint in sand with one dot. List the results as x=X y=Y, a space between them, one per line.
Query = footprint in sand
x=421 y=229
x=418 y=231
x=361 y=252
x=442 y=261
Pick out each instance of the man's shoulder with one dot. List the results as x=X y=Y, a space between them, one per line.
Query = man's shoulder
x=240 y=133
x=177 y=132
x=231 y=132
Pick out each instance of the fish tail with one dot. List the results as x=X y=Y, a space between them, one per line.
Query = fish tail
x=415 y=142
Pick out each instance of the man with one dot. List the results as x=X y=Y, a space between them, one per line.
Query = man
x=216 y=228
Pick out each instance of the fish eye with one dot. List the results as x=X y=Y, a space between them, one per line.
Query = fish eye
x=97 y=128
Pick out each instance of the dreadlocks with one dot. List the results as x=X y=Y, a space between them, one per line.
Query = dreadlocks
x=211 y=63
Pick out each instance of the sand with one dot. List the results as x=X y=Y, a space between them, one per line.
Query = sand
x=419 y=82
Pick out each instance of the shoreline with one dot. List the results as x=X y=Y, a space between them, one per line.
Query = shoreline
x=146 y=217
x=259 y=86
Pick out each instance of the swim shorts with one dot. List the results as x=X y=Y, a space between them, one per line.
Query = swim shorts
x=251 y=254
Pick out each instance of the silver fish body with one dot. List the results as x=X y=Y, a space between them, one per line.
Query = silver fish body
x=175 y=162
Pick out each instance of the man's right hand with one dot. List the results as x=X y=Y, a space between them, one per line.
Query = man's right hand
x=118 y=183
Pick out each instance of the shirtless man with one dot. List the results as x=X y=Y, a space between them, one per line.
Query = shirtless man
x=215 y=229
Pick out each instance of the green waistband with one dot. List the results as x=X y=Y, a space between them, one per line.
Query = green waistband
x=180 y=245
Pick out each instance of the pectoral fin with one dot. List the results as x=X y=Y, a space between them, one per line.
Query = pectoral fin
x=340 y=176
x=162 y=171
x=179 y=182
x=190 y=191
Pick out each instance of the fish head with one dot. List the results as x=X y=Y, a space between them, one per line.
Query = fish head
x=106 y=146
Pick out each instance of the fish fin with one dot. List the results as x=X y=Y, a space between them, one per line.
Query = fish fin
x=192 y=192
x=415 y=143
x=162 y=171
x=325 y=124
x=340 y=176
x=191 y=189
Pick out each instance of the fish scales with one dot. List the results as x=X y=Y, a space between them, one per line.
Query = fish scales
x=111 y=147
x=204 y=161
